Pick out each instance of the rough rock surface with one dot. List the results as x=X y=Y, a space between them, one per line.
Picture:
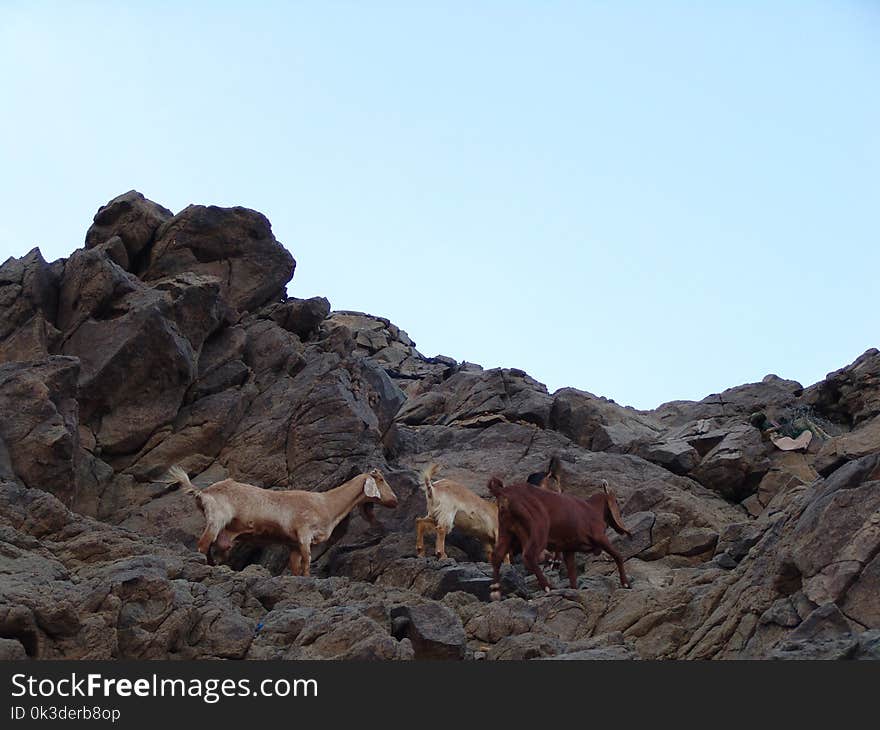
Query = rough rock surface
x=169 y=339
x=130 y=220
x=235 y=245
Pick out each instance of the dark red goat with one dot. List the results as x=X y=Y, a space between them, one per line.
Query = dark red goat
x=534 y=519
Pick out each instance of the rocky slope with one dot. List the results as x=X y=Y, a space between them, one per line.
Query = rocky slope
x=169 y=339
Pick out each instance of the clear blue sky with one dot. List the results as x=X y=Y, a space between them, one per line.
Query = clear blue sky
x=647 y=200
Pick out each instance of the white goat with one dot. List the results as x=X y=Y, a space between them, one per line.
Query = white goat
x=297 y=518
x=453 y=505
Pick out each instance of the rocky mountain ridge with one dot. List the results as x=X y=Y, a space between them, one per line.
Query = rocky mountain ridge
x=169 y=339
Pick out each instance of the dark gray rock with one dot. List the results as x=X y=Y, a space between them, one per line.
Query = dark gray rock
x=640 y=525
x=300 y=316
x=11 y=649
x=850 y=395
x=434 y=630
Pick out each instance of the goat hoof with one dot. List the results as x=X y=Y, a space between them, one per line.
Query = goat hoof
x=495 y=596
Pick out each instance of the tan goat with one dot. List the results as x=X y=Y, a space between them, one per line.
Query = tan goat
x=453 y=505
x=297 y=518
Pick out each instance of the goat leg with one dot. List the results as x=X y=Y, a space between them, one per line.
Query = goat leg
x=501 y=551
x=572 y=569
x=422 y=524
x=305 y=551
x=295 y=561
x=531 y=555
x=606 y=545
x=205 y=542
x=488 y=547
x=440 y=547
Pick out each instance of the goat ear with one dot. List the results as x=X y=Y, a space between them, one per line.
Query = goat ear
x=370 y=488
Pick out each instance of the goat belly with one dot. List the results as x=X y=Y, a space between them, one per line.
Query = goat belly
x=576 y=546
x=266 y=533
x=472 y=523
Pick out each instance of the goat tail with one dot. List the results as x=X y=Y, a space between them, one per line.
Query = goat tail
x=427 y=484
x=605 y=485
x=181 y=477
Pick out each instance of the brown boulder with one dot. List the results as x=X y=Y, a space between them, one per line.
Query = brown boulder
x=677 y=455
x=693 y=541
x=599 y=424
x=39 y=425
x=311 y=429
x=132 y=219
x=850 y=395
x=235 y=245
x=140 y=357
x=772 y=395
x=34 y=340
x=735 y=467
x=861 y=441
x=389 y=347
x=479 y=398
x=434 y=630
x=91 y=282
x=300 y=316
x=28 y=307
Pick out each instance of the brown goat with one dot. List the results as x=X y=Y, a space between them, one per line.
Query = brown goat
x=297 y=518
x=535 y=520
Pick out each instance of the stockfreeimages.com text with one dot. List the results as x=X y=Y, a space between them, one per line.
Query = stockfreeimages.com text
x=209 y=690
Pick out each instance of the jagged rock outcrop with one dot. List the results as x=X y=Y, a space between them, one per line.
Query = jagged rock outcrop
x=139 y=356
x=385 y=344
x=599 y=424
x=28 y=307
x=737 y=464
x=773 y=394
x=478 y=398
x=234 y=245
x=40 y=423
x=126 y=227
x=851 y=394
x=170 y=339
